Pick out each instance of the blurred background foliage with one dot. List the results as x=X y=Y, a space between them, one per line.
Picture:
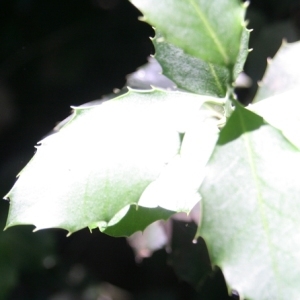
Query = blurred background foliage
x=54 y=54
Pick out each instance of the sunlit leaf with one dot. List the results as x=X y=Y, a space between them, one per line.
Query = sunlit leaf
x=251 y=209
x=176 y=188
x=283 y=72
x=102 y=160
x=282 y=112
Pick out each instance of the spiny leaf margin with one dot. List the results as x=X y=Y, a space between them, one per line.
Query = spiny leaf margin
x=210 y=30
x=125 y=143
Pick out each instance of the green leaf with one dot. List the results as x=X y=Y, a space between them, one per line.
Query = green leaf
x=282 y=112
x=243 y=53
x=136 y=219
x=102 y=160
x=283 y=72
x=209 y=30
x=176 y=188
x=251 y=210
x=190 y=73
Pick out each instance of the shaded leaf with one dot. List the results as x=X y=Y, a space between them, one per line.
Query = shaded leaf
x=190 y=73
x=190 y=260
x=209 y=30
x=251 y=209
x=137 y=218
x=283 y=72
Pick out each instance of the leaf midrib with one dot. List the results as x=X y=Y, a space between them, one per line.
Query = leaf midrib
x=262 y=213
x=210 y=31
x=216 y=77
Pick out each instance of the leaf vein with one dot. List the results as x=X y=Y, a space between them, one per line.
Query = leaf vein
x=210 y=31
x=262 y=212
x=215 y=76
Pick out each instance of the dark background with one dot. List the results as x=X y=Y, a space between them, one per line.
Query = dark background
x=54 y=54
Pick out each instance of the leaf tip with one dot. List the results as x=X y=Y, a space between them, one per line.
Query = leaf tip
x=142 y=18
x=235 y=295
x=284 y=42
x=245 y=23
x=134 y=90
x=160 y=39
x=197 y=235
x=246 y=4
x=6 y=197
x=269 y=60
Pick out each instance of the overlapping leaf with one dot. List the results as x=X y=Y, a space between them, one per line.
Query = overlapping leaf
x=194 y=48
x=251 y=209
x=283 y=72
x=243 y=53
x=102 y=160
x=176 y=188
x=209 y=30
x=190 y=73
x=282 y=111
x=137 y=218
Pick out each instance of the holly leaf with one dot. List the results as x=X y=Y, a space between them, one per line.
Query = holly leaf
x=102 y=160
x=137 y=219
x=211 y=32
x=183 y=69
x=243 y=53
x=282 y=112
x=251 y=208
x=282 y=74
x=177 y=186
